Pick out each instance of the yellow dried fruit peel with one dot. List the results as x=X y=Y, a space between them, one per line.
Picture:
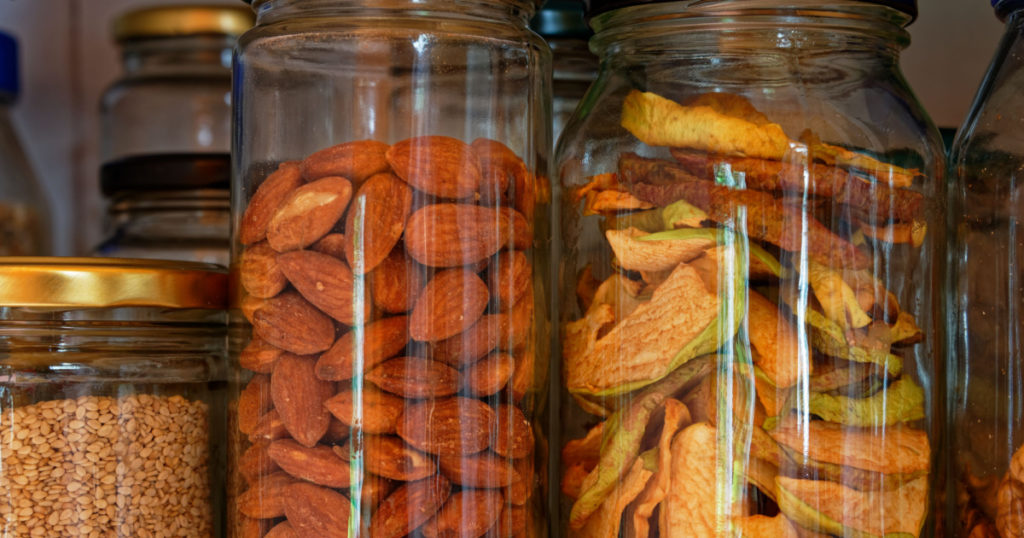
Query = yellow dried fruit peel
x=881 y=172
x=598 y=183
x=623 y=434
x=902 y=401
x=604 y=523
x=657 y=121
x=832 y=508
x=637 y=250
x=836 y=297
x=638 y=515
x=759 y=526
x=894 y=450
x=779 y=351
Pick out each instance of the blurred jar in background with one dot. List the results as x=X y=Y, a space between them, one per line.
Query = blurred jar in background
x=166 y=134
x=561 y=24
x=24 y=212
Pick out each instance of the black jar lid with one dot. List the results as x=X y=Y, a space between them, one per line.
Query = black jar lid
x=166 y=172
x=1005 y=7
x=561 y=19
x=596 y=7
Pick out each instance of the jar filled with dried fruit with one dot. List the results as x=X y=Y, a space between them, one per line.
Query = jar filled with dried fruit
x=111 y=397
x=391 y=245
x=986 y=493
x=753 y=244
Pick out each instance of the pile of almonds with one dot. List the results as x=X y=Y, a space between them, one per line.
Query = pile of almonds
x=390 y=292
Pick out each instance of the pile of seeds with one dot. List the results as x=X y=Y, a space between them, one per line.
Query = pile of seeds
x=100 y=466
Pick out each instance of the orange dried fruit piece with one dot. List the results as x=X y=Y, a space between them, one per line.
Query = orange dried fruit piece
x=637 y=250
x=833 y=508
x=895 y=450
x=604 y=523
x=759 y=526
x=777 y=342
x=638 y=515
x=693 y=504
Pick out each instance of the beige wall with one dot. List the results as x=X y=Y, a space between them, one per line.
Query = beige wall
x=69 y=59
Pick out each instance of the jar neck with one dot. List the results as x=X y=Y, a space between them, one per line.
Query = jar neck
x=177 y=56
x=508 y=11
x=201 y=212
x=793 y=27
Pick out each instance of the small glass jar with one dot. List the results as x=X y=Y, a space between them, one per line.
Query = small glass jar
x=752 y=270
x=24 y=211
x=166 y=134
x=111 y=394
x=391 y=244
x=574 y=67
x=986 y=493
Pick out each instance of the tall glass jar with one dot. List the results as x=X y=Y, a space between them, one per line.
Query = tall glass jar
x=24 y=211
x=111 y=397
x=752 y=233
x=166 y=133
x=986 y=494
x=391 y=240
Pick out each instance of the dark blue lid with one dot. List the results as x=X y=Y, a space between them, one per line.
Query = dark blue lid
x=595 y=7
x=1005 y=7
x=8 y=67
x=561 y=19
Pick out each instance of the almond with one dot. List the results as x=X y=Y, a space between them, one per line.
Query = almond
x=396 y=283
x=488 y=376
x=472 y=345
x=269 y=427
x=513 y=434
x=289 y=322
x=415 y=378
x=256 y=462
x=524 y=374
x=253 y=401
x=390 y=457
x=259 y=356
x=376 y=221
x=377 y=341
x=378 y=413
x=247 y=527
x=299 y=397
x=523 y=482
x=509 y=278
x=467 y=514
x=356 y=161
x=511 y=522
x=498 y=166
x=452 y=426
x=524 y=195
x=268 y=197
x=317 y=511
x=373 y=490
x=249 y=305
x=451 y=235
x=327 y=283
x=409 y=506
x=337 y=431
x=259 y=273
x=450 y=303
x=514 y=328
x=265 y=499
x=317 y=464
x=282 y=530
x=308 y=213
x=332 y=244
x=483 y=470
x=437 y=165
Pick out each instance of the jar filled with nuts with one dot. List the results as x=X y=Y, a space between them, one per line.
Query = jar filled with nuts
x=111 y=398
x=391 y=235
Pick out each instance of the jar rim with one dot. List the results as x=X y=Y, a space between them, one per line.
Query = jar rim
x=66 y=282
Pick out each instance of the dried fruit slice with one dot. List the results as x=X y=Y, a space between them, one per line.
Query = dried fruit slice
x=450 y=303
x=308 y=213
x=897 y=450
x=638 y=515
x=317 y=464
x=317 y=511
x=268 y=197
x=902 y=401
x=604 y=523
x=363 y=348
x=835 y=509
x=377 y=411
x=437 y=165
x=636 y=250
x=467 y=514
x=409 y=507
x=376 y=221
x=355 y=160
x=779 y=351
x=759 y=526
x=692 y=506
x=452 y=426
x=299 y=397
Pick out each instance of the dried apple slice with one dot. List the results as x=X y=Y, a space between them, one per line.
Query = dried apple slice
x=835 y=509
x=780 y=353
x=638 y=515
x=902 y=401
x=604 y=523
x=759 y=526
x=637 y=250
x=896 y=450
x=836 y=297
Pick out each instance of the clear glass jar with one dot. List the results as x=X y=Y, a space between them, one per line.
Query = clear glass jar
x=574 y=67
x=752 y=255
x=986 y=494
x=24 y=211
x=391 y=244
x=166 y=126
x=112 y=397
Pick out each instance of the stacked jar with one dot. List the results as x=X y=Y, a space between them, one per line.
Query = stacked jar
x=986 y=493
x=166 y=134
x=390 y=250
x=112 y=397
x=752 y=280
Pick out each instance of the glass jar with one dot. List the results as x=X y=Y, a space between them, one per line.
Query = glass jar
x=166 y=134
x=111 y=393
x=752 y=253
x=574 y=67
x=391 y=244
x=986 y=494
x=24 y=211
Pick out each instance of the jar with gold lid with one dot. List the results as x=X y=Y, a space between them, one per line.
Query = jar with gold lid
x=111 y=385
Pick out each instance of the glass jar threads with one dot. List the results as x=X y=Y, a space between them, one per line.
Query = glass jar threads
x=752 y=227
x=111 y=392
x=391 y=246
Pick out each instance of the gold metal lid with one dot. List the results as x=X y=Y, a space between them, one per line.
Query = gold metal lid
x=183 y=20
x=110 y=282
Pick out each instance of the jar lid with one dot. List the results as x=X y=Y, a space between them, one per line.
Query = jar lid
x=183 y=20
x=166 y=172
x=8 y=68
x=1005 y=7
x=561 y=19
x=54 y=282
x=595 y=7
